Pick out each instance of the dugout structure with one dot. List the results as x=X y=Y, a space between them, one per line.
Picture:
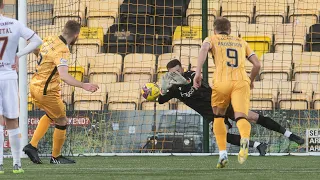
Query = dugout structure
x=126 y=43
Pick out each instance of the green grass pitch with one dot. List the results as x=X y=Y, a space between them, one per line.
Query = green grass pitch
x=198 y=168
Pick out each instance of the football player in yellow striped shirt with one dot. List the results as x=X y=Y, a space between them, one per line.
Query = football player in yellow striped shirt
x=45 y=90
x=231 y=84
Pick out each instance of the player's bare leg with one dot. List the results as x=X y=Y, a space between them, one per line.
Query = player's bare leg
x=15 y=143
x=1 y=143
x=244 y=130
x=220 y=133
x=59 y=136
x=274 y=126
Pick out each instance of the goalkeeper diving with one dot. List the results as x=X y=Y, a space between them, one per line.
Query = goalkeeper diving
x=179 y=84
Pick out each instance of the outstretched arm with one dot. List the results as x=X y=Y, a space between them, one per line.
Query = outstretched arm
x=165 y=98
x=256 y=66
x=61 y=62
x=66 y=77
x=252 y=57
x=202 y=57
x=167 y=91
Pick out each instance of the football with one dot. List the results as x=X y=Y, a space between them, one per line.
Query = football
x=150 y=91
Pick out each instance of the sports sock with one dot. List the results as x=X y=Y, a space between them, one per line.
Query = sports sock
x=41 y=130
x=1 y=143
x=244 y=128
x=59 y=136
x=287 y=133
x=222 y=153
x=220 y=133
x=256 y=144
x=270 y=124
x=234 y=139
x=15 y=143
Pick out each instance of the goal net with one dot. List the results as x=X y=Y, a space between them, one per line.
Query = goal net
x=124 y=44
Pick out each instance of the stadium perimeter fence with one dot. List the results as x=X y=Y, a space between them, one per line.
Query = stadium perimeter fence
x=124 y=44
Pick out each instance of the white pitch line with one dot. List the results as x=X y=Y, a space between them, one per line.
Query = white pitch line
x=172 y=169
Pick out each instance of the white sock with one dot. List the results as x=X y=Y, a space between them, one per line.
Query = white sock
x=222 y=153
x=15 y=141
x=256 y=144
x=1 y=143
x=287 y=133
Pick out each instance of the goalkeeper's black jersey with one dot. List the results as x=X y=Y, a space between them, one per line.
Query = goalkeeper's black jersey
x=199 y=100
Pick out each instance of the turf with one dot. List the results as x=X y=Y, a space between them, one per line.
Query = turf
x=199 y=168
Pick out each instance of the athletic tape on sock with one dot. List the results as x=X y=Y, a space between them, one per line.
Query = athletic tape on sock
x=61 y=127
x=237 y=119
x=219 y=116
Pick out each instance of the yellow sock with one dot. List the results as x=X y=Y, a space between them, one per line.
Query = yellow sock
x=41 y=130
x=244 y=128
x=220 y=132
x=59 y=136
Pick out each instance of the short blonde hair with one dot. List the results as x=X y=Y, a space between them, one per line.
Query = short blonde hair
x=222 y=24
x=71 y=28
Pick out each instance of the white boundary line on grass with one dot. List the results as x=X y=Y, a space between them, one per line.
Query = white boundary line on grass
x=192 y=154
x=176 y=154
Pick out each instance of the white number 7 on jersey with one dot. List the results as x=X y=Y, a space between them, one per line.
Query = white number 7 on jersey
x=4 y=41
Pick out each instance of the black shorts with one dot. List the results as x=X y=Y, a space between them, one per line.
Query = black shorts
x=230 y=112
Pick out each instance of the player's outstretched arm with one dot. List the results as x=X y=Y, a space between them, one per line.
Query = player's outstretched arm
x=202 y=57
x=165 y=84
x=168 y=91
x=256 y=66
x=164 y=98
x=67 y=78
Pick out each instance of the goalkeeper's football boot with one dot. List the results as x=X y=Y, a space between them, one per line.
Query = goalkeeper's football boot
x=244 y=150
x=262 y=149
x=17 y=169
x=32 y=153
x=1 y=169
x=296 y=139
x=223 y=161
x=61 y=160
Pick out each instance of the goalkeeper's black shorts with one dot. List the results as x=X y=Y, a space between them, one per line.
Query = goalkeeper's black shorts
x=230 y=112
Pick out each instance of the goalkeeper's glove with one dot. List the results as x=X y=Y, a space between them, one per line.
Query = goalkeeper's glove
x=177 y=78
x=165 y=84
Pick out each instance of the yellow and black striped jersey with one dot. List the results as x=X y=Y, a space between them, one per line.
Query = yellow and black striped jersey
x=230 y=54
x=54 y=52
